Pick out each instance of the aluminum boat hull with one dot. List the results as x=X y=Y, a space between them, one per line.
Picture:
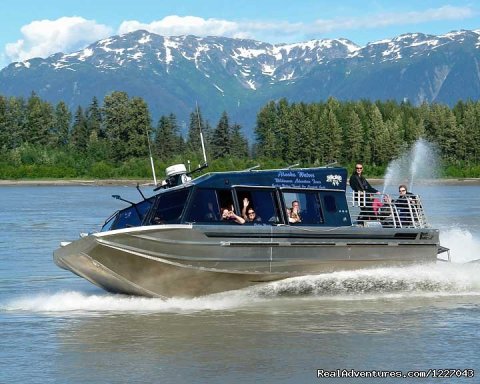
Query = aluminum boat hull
x=192 y=260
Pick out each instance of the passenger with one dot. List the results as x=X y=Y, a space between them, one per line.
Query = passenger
x=406 y=205
x=229 y=215
x=294 y=216
x=363 y=190
x=387 y=214
x=248 y=212
x=252 y=216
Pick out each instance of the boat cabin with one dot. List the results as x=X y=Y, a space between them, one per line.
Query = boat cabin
x=319 y=194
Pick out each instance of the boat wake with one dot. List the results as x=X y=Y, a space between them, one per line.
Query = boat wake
x=440 y=280
x=81 y=303
x=429 y=279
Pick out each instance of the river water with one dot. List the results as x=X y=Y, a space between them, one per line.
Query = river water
x=58 y=328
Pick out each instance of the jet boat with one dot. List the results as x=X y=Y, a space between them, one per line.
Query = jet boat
x=177 y=243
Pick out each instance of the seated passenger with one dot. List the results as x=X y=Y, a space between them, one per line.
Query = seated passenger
x=406 y=205
x=388 y=214
x=294 y=216
x=248 y=212
x=252 y=216
x=229 y=215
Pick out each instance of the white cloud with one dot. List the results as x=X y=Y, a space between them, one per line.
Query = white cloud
x=276 y=31
x=42 y=38
x=187 y=25
x=269 y=31
x=389 y=19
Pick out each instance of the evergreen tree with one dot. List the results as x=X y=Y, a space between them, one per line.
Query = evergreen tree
x=93 y=115
x=471 y=124
x=377 y=131
x=287 y=143
x=266 y=131
x=167 y=142
x=301 y=120
x=140 y=129
x=117 y=124
x=333 y=147
x=39 y=121
x=354 y=138
x=15 y=122
x=61 y=126
x=4 y=134
x=413 y=130
x=238 y=142
x=221 y=140
x=80 y=134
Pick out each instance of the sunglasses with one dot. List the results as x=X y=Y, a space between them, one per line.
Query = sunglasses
x=359 y=167
x=402 y=190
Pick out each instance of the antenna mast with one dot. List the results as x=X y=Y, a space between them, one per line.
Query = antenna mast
x=201 y=135
x=151 y=157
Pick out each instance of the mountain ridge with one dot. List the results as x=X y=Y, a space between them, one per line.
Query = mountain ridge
x=173 y=73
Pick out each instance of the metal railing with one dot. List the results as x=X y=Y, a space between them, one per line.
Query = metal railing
x=377 y=209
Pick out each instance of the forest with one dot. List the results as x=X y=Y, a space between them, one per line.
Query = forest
x=113 y=138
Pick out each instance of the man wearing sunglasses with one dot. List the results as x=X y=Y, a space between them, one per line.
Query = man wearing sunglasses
x=358 y=182
x=363 y=193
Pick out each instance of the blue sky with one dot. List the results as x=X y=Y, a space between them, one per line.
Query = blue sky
x=32 y=28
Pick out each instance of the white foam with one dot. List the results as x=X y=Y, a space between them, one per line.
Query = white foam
x=464 y=247
x=76 y=302
x=430 y=280
x=437 y=279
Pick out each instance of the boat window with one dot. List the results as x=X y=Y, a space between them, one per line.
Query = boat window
x=330 y=204
x=169 y=207
x=204 y=206
x=310 y=211
x=336 y=209
x=225 y=200
x=263 y=202
x=207 y=203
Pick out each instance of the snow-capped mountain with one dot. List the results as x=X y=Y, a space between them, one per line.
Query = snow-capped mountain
x=239 y=76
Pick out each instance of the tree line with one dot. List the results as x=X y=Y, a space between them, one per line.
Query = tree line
x=114 y=138
x=369 y=132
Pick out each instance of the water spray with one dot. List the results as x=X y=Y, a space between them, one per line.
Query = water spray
x=418 y=163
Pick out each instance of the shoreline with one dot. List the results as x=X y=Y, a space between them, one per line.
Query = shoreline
x=74 y=182
x=147 y=182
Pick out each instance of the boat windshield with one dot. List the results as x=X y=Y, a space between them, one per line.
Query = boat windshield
x=169 y=207
x=128 y=217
